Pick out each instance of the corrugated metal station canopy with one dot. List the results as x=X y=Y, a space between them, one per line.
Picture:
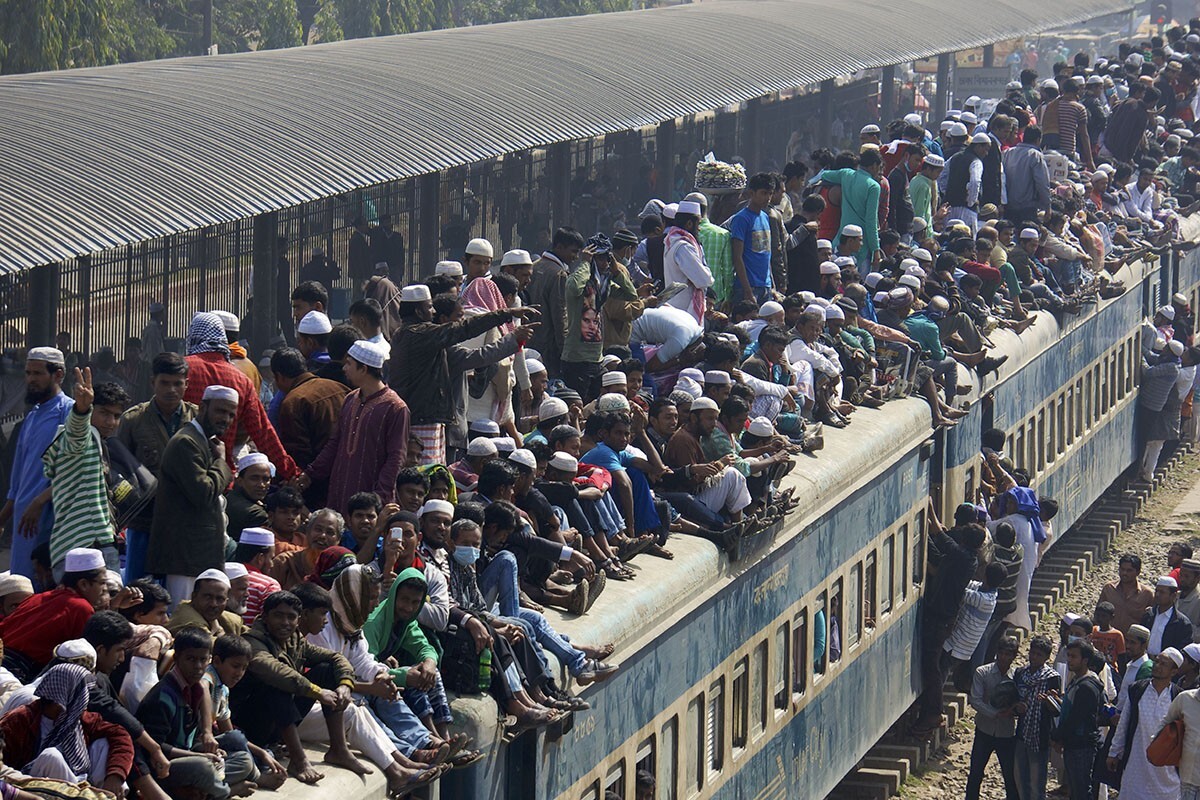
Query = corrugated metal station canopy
x=97 y=158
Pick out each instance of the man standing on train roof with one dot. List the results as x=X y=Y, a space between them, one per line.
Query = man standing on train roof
x=860 y=203
x=548 y=293
x=29 y=507
x=387 y=247
x=964 y=182
x=684 y=261
x=477 y=260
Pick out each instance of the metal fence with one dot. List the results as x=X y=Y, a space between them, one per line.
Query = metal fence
x=515 y=201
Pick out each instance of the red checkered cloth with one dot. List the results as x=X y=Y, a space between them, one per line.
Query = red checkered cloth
x=433 y=441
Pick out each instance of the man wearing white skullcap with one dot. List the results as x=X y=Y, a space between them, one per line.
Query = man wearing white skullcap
x=860 y=208
x=548 y=290
x=719 y=488
x=244 y=503
x=30 y=512
x=14 y=590
x=256 y=552
x=194 y=474
x=683 y=260
x=206 y=606
x=1152 y=702
x=1168 y=627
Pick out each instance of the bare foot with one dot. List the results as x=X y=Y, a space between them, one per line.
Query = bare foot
x=242 y=788
x=271 y=780
x=592 y=651
x=304 y=773
x=345 y=760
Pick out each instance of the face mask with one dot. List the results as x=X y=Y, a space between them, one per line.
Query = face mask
x=1074 y=638
x=466 y=555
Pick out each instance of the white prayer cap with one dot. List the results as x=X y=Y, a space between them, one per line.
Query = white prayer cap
x=669 y=210
x=1011 y=85
x=229 y=321
x=939 y=303
x=761 y=426
x=415 y=293
x=609 y=360
x=215 y=392
x=843 y=261
x=1069 y=618
x=958 y=129
x=254 y=460
x=980 y=138
x=688 y=207
x=953 y=114
x=971 y=101
x=113 y=578
x=1179 y=299
x=852 y=231
x=487 y=427
x=234 y=570
x=913 y=118
x=1159 y=345
x=371 y=354
x=921 y=254
x=523 y=457
x=481 y=446
x=1030 y=233
x=1167 y=311
x=697 y=197
x=911 y=281
x=1095 y=80
x=564 y=462
x=769 y=309
x=817 y=307
x=915 y=272
x=1184 y=133
x=1168 y=581
x=693 y=373
x=968 y=118
x=78 y=651
x=611 y=401
x=945 y=125
x=452 y=268
x=437 y=506
x=835 y=312
x=534 y=366
x=1192 y=38
x=480 y=247
x=905 y=263
x=11 y=584
x=552 y=407
x=899 y=295
x=315 y=323
x=830 y=268
x=653 y=206
x=919 y=224
x=531 y=353
x=867 y=129
x=217 y=575
x=807 y=296
x=824 y=244
x=1048 y=83
x=704 y=404
x=880 y=298
x=51 y=355
x=1173 y=654
x=1176 y=347
x=1142 y=634
x=504 y=444
x=613 y=379
x=718 y=377
x=822 y=302
x=516 y=258
x=872 y=279
x=1192 y=651
x=256 y=537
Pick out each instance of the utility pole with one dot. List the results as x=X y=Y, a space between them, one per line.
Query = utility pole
x=207 y=34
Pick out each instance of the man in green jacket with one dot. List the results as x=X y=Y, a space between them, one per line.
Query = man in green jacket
x=860 y=203
x=286 y=676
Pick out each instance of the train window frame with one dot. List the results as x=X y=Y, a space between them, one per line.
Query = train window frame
x=1041 y=437
x=714 y=727
x=781 y=660
x=905 y=553
x=1018 y=440
x=1104 y=388
x=760 y=687
x=739 y=718
x=821 y=665
x=614 y=779
x=696 y=769
x=646 y=756
x=870 y=593
x=887 y=575
x=969 y=484
x=1097 y=394
x=801 y=662
x=1061 y=424
x=836 y=612
x=1087 y=405
x=668 y=766
x=918 y=549
x=591 y=792
x=852 y=607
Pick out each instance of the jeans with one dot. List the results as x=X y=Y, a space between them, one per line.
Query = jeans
x=401 y=725
x=610 y=516
x=1067 y=273
x=431 y=702
x=552 y=640
x=761 y=293
x=694 y=510
x=1078 y=763
x=498 y=584
x=137 y=542
x=1190 y=791
x=1030 y=769
x=981 y=752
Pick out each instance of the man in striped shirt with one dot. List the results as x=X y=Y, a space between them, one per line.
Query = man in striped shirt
x=256 y=551
x=75 y=463
x=973 y=616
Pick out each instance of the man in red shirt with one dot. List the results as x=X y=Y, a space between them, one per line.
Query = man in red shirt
x=38 y=625
x=208 y=365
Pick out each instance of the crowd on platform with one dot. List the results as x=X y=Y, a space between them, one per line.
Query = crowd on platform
x=326 y=544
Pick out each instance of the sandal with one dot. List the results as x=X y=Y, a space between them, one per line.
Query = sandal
x=659 y=551
x=632 y=547
x=458 y=742
x=612 y=569
x=432 y=755
x=465 y=759
x=626 y=571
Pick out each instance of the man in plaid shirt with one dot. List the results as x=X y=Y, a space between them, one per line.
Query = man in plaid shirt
x=1033 y=729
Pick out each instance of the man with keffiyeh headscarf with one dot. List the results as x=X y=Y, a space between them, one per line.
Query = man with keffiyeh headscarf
x=55 y=736
x=208 y=365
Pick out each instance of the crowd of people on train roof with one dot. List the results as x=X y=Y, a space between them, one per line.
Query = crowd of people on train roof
x=218 y=558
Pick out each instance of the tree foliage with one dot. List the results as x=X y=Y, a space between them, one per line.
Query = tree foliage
x=37 y=35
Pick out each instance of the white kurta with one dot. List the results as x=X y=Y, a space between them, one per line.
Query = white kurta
x=1020 y=615
x=1145 y=780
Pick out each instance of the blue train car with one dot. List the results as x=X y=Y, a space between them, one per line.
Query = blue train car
x=728 y=688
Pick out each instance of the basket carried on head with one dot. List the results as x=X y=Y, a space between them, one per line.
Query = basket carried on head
x=717 y=177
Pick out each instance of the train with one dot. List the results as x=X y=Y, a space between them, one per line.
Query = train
x=725 y=690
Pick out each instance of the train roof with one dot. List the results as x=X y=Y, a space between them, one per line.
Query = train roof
x=93 y=159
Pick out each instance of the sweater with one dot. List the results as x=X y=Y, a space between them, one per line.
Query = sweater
x=74 y=463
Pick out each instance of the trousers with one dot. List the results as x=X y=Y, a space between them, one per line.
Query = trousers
x=51 y=764
x=1030 y=768
x=981 y=752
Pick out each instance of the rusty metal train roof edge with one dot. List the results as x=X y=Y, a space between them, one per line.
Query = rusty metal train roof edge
x=98 y=158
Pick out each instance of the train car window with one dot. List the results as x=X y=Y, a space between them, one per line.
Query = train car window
x=714 y=738
x=1103 y=388
x=854 y=605
x=969 y=485
x=1061 y=423
x=668 y=760
x=1122 y=369
x=902 y=540
x=1019 y=448
x=821 y=635
x=644 y=757
x=694 y=745
x=833 y=633
x=870 y=588
x=887 y=574
x=1037 y=441
x=800 y=649
x=614 y=781
x=592 y=792
x=1097 y=391
x=1086 y=405
x=759 y=692
x=1135 y=361
x=918 y=549
x=739 y=723
x=782 y=663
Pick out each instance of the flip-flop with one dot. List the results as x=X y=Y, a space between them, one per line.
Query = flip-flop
x=465 y=759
